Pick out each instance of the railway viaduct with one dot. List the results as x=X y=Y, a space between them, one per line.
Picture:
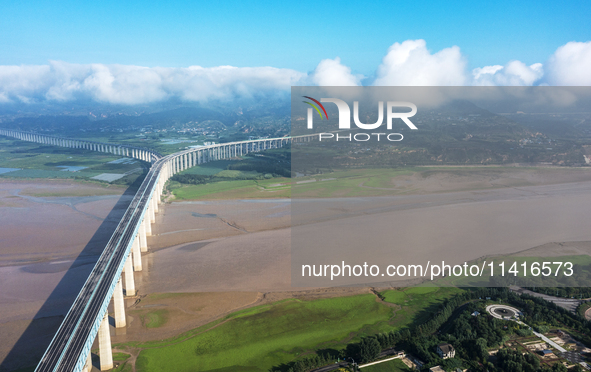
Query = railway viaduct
x=87 y=319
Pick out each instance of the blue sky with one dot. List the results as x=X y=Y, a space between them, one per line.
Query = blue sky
x=282 y=34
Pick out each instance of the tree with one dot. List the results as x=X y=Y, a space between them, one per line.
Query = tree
x=369 y=349
x=559 y=367
x=451 y=364
x=542 y=329
x=481 y=349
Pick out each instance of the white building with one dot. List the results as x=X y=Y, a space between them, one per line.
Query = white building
x=445 y=351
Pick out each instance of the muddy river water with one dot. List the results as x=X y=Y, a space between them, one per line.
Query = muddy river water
x=49 y=244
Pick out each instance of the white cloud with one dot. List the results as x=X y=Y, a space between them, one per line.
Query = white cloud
x=23 y=81
x=514 y=73
x=410 y=63
x=124 y=84
x=330 y=72
x=483 y=72
x=569 y=65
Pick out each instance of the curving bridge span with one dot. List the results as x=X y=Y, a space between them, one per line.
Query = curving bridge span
x=70 y=348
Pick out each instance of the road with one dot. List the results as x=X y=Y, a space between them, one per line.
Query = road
x=548 y=341
x=569 y=304
x=383 y=354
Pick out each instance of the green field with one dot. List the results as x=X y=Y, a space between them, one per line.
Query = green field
x=155 y=318
x=216 y=181
x=345 y=183
x=123 y=365
x=417 y=303
x=209 y=169
x=395 y=365
x=238 y=189
x=369 y=182
x=106 y=190
x=259 y=338
x=34 y=160
x=265 y=336
x=350 y=183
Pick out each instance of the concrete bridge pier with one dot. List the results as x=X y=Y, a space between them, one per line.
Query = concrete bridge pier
x=129 y=279
x=137 y=256
x=148 y=224
x=143 y=240
x=105 y=352
x=119 y=305
x=155 y=201
x=152 y=210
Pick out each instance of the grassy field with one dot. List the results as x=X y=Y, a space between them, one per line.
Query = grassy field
x=238 y=189
x=417 y=304
x=349 y=183
x=230 y=184
x=29 y=155
x=121 y=358
x=95 y=191
x=209 y=169
x=261 y=337
x=155 y=319
x=342 y=183
x=33 y=160
x=367 y=182
x=395 y=365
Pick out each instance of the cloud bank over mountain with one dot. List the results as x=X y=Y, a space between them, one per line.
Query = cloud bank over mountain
x=409 y=63
x=121 y=84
